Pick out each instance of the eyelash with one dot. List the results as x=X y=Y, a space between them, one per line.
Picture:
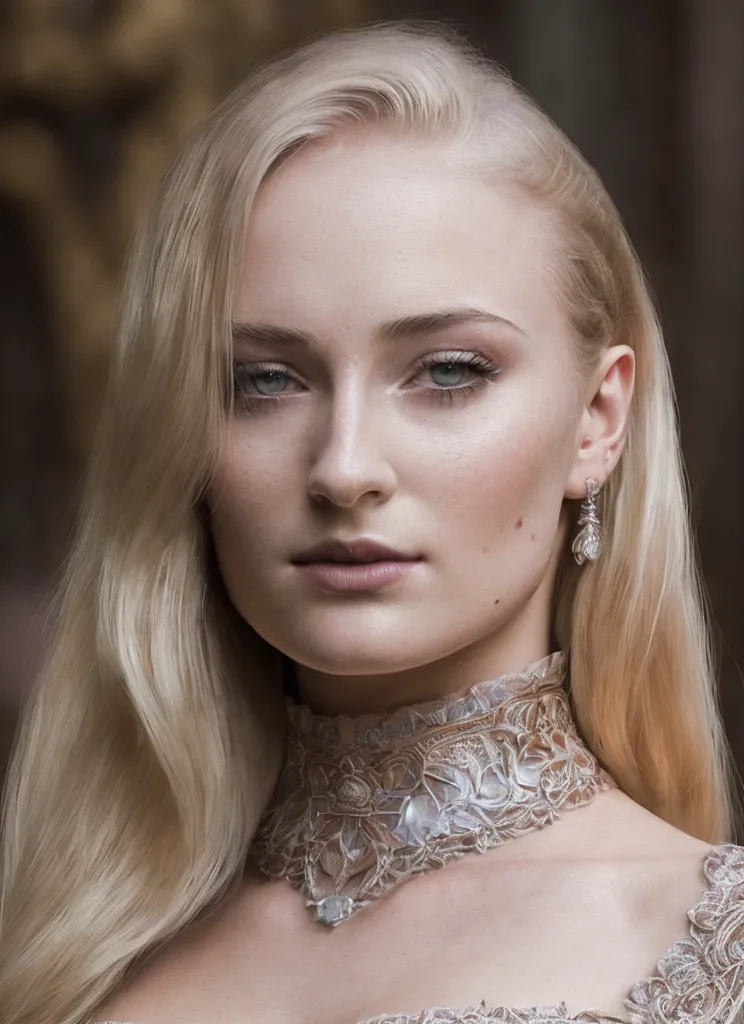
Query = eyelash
x=484 y=368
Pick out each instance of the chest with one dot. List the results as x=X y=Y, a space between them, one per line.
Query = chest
x=579 y=933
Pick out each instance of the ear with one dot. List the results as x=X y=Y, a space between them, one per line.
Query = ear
x=604 y=421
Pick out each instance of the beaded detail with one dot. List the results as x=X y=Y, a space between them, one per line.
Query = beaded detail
x=359 y=807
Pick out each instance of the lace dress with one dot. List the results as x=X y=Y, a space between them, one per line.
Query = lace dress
x=699 y=980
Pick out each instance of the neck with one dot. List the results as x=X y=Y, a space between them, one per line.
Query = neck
x=381 y=693
x=365 y=802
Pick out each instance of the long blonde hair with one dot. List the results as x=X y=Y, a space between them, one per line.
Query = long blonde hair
x=153 y=738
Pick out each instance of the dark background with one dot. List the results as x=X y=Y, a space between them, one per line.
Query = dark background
x=97 y=95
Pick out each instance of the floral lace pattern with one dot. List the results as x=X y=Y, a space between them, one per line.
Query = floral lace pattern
x=557 y=1014
x=360 y=808
x=701 y=978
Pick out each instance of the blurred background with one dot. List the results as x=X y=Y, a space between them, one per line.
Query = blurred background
x=97 y=95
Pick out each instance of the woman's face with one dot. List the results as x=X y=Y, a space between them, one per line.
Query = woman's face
x=454 y=441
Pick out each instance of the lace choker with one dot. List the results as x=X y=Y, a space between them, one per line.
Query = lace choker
x=360 y=808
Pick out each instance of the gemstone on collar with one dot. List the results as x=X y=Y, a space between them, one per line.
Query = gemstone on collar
x=333 y=909
x=352 y=792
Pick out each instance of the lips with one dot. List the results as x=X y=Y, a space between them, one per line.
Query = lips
x=351 y=552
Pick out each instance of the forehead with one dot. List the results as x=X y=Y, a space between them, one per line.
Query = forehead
x=351 y=231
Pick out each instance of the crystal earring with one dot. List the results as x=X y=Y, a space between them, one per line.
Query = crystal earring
x=588 y=542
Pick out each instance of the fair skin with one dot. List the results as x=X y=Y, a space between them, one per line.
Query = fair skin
x=349 y=234
x=361 y=441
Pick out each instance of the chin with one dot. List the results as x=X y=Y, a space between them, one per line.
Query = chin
x=354 y=661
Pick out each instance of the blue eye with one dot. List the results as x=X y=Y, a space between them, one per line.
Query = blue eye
x=271 y=378
x=458 y=363
x=458 y=368
x=261 y=384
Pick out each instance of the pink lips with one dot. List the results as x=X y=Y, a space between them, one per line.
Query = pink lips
x=359 y=564
x=337 y=576
x=360 y=549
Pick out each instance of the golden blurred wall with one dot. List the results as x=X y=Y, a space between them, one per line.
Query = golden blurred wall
x=104 y=94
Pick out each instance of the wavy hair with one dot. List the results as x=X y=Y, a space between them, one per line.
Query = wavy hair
x=154 y=735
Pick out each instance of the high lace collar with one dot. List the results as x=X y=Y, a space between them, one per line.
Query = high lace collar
x=364 y=803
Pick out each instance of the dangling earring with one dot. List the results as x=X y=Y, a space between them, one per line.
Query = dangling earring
x=588 y=541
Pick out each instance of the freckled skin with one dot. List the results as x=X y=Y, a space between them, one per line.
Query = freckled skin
x=347 y=234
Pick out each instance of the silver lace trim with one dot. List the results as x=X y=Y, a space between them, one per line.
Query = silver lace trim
x=360 y=808
x=553 y=1014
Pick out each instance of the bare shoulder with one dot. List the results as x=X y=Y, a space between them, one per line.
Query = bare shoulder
x=184 y=979
x=656 y=872
x=614 y=858
x=621 y=832
x=149 y=994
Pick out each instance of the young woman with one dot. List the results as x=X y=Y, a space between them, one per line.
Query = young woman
x=384 y=314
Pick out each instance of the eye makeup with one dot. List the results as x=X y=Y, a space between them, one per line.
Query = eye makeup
x=247 y=378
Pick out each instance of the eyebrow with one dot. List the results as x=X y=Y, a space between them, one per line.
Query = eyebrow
x=402 y=327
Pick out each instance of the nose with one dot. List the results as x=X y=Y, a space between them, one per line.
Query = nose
x=348 y=460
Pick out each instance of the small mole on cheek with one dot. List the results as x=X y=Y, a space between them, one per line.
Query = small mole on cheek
x=497 y=600
x=518 y=524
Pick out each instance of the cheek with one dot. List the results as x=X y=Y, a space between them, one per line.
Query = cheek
x=245 y=502
x=504 y=493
